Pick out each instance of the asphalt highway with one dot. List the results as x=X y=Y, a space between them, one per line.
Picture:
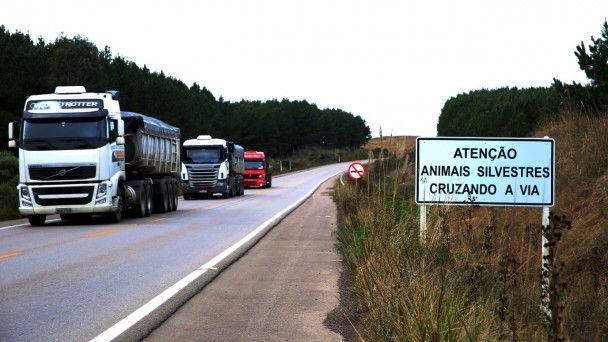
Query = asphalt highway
x=74 y=281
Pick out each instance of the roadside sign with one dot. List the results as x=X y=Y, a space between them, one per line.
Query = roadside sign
x=492 y=172
x=356 y=170
x=485 y=171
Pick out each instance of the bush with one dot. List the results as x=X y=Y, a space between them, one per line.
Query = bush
x=9 y=178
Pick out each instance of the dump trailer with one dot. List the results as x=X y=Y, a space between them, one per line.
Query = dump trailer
x=212 y=166
x=80 y=155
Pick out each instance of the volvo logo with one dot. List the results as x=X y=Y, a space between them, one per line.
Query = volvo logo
x=62 y=172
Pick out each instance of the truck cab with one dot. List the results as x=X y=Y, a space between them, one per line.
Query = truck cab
x=71 y=153
x=257 y=170
x=212 y=166
x=75 y=159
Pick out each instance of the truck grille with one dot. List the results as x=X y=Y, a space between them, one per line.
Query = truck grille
x=202 y=177
x=248 y=176
x=61 y=172
x=73 y=195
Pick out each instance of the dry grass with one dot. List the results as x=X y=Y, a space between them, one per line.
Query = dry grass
x=477 y=276
x=397 y=144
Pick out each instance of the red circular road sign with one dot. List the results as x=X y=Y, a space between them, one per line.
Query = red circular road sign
x=356 y=170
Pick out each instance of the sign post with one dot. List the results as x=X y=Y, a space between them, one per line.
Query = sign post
x=489 y=172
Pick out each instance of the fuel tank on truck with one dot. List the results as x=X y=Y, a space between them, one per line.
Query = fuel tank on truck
x=151 y=145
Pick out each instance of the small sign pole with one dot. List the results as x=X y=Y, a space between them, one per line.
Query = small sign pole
x=422 y=223
x=546 y=267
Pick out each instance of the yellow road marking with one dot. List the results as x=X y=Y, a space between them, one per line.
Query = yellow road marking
x=158 y=220
x=9 y=255
x=101 y=233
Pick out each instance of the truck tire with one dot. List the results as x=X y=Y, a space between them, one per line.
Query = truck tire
x=187 y=197
x=139 y=210
x=175 y=196
x=148 y=191
x=36 y=220
x=161 y=201
x=170 y=195
x=116 y=216
x=269 y=183
x=164 y=199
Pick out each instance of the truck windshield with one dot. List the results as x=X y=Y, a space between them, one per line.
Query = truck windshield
x=253 y=164
x=64 y=134
x=203 y=155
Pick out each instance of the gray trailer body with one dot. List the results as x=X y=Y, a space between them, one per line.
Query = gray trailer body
x=151 y=146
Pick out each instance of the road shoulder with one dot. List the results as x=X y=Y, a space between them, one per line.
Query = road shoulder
x=287 y=287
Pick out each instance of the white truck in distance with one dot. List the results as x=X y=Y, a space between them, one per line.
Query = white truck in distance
x=212 y=166
x=80 y=155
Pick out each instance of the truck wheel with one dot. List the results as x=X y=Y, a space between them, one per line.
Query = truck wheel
x=170 y=196
x=269 y=183
x=148 y=192
x=161 y=201
x=36 y=220
x=165 y=200
x=139 y=210
x=187 y=197
x=175 y=197
x=116 y=216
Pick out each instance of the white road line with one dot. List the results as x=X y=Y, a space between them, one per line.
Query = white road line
x=127 y=322
x=25 y=224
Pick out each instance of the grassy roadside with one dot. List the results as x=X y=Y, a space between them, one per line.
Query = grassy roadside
x=477 y=275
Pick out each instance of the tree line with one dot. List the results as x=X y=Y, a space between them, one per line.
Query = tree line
x=278 y=127
x=517 y=112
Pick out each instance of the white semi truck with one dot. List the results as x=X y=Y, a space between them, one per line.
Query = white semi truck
x=80 y=155
x=212 y=166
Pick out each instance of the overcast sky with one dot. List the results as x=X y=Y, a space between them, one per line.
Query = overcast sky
x=395 y=63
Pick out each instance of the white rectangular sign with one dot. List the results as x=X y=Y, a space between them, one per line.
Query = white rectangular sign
x=485 y=171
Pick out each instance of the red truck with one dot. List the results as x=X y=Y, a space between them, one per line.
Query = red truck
x=257 y=171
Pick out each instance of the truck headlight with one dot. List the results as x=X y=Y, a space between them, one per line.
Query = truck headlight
x=25 y=193
x=102 y=190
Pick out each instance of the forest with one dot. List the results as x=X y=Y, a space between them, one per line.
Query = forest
x=279 y=127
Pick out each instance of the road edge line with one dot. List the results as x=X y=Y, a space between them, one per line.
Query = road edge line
x=146 y=318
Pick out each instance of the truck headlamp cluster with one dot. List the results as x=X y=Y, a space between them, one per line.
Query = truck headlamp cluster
x=25 y=193
x=102 y=191
x=26 y=199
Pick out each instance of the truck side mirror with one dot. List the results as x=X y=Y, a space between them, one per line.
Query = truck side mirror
x=13 y=133
x=121 y=128
x=120 y=139
x=230 y=145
